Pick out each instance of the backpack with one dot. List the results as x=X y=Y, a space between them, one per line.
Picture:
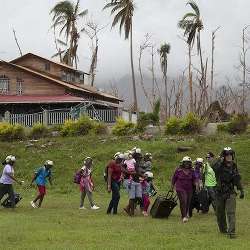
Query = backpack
x=77 y=177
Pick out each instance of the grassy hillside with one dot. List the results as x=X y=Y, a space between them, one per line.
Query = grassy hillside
x=60 y=224
x=68 y=154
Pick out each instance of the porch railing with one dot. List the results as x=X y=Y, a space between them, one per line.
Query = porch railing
x=57 y=117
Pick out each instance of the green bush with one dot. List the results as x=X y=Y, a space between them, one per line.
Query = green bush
x=83 y=126
x=190 y=124
x=69 y=128
x=99 y=128
x=238 y=124
x=39 y=131
x=11 y=132
x=146 y=119
x=173 y=125
x=122 y=128
x=222 y=127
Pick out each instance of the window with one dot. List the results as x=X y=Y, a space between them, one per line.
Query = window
x=64 y=76
x=19 y=86
x=4 y=84
x=47 y=66
x=81 y=77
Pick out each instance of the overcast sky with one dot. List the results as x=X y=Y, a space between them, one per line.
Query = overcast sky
x=31 y=20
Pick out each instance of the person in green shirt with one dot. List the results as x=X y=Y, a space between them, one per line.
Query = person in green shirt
x=209 y=179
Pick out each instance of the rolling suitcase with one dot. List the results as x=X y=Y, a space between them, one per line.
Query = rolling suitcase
x=164 y=205
x=7 y=203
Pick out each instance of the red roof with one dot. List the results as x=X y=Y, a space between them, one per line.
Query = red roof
x=5 y=99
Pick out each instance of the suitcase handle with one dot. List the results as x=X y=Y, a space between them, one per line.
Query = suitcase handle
x=172 y=196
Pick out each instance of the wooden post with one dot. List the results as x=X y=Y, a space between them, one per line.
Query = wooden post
x=7 y=116
x=46 y=117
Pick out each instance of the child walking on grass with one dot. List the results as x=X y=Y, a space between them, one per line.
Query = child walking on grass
x=86 y=184
x=40 y=177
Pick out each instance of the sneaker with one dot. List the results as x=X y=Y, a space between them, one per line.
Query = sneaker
x=145 y=213
x=185 y=219
x=94 y=207
x=82 y=208
x=33 y=204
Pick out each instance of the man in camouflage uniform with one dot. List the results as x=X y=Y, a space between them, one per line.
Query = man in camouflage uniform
x=227 y=177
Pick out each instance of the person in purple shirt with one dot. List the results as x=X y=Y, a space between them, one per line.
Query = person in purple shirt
x=183 y=181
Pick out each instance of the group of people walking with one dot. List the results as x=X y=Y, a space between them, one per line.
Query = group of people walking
x=134 y=171
x=216 y=178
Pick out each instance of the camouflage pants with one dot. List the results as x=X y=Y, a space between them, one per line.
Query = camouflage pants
x=225 y=212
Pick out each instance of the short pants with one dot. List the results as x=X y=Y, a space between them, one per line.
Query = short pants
x=41 y=189
x=134 y=190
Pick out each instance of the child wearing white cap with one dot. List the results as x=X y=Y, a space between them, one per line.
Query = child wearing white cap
x=40 y=177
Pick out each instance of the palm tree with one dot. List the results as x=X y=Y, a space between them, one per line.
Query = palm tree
x=124 y=10
x=192 y=24
x=65 y=15
x=164 y=51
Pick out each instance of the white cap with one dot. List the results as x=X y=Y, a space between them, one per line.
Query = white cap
x=49 y=163
x=138 y=150
x=227 y=149
x=120 y=156
x=186 y=158
x=199 y=160
x=116 y=154
x=87 y=159
x=149 y=174
x=10 y=158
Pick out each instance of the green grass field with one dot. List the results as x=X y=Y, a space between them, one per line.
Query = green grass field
x=61 y=225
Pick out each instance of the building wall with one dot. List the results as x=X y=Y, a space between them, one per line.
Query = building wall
x=49 y=68
x=31 y=85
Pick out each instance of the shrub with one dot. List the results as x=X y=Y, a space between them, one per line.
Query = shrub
x=99 y=128
x=68 y=128
x=222 y=127
x=39 y=130
x=238 y=124
x=122 y=128
x=173 y=125
x=149 y=118
x=11 y=132
x=190 y=124
x=82 y=126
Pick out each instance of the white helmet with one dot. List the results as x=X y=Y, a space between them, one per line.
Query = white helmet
x=116 y=154
x=120 y=156
x=10 y=158
x=133 y=150
x=49 y=163
x=199 y=160
x=149 y=174
x=186 y=159
x=138 y=151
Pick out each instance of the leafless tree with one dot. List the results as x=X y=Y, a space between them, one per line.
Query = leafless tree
x=91 y=30
x=19 y=48
x=212 y=65
x=145 y=45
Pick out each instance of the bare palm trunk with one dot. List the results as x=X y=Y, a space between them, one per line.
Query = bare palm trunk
x=132 y=70
x=166 y=84
x=190 y=79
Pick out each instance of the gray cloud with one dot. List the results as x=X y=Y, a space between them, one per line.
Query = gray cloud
x=32 y=21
